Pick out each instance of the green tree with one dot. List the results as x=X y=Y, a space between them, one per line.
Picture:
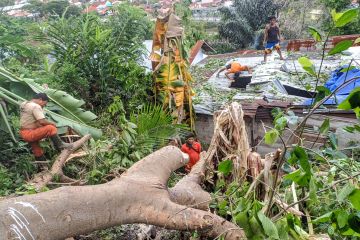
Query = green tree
x=340 y=5
x=18 y=41
x=97 y=60
x=239 y=24
x=5 y=3
x=194 y=31
x=53 y=8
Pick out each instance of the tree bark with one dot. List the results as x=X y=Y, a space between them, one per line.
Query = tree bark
x=140 y=195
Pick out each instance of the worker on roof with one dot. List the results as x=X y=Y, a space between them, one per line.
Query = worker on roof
x=193 y=149
x=272 y=38
x=233 y=70
x=34 y=127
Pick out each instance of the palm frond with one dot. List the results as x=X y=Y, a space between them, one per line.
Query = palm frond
x=155 y=126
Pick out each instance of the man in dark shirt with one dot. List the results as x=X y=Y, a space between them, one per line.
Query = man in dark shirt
x=272 y=38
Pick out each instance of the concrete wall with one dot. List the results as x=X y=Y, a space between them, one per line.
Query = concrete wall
x=255 y=130
x=204 y=127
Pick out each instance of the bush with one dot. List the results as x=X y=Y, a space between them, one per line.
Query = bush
x=97 y=60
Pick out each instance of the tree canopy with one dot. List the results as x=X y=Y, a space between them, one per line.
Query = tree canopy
x=239 y=24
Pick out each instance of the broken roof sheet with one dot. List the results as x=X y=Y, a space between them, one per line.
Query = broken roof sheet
x=268 y=80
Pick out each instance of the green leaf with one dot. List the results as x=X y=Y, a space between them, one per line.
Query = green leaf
x=5 y=124
x=333 y=140
x=283 y=229
x=352 y=102
x=354 y=198
x=242 y=220
x=298 y=154
x=315 y=33
x=331 y=230
x=177 y=83
x=357 y=41
x=342 y=19
x=223 y=207
x=255 y=227
x=347 y=69
x=269 y=227
x=299 y=176
x=271 y=136
x=345 y=192
x=354 y=222
x=334 y=15
x=280 y=123
x=342 y=218
x=307 y=65
x=313 y=190
x=324 y=218
x=225 y=167
x=350 y=232
x=325 y=126
x=349 y=129
x=322 y=93
x=341 y=46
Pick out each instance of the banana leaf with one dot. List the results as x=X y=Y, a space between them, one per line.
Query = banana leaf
x=63 y=109
x=170 y=71
x=167 y=74
x=4 y=123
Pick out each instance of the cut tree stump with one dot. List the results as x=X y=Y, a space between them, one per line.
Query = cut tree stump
x=139 y=195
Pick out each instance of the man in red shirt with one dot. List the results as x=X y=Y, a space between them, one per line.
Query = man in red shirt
x=193 y=149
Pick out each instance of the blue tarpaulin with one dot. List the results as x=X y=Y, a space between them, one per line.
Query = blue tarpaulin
x=337 y=78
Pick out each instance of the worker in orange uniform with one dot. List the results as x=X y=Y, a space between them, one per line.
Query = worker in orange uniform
x=233 y=70
x=34 y=126
x=193 y=149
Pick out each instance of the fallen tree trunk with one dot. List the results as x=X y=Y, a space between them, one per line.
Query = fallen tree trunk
x=140 y=195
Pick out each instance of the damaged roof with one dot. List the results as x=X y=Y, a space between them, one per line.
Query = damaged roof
x=271 y=81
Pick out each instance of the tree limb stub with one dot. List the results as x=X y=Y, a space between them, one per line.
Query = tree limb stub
x=42 y=179
x=139 y=195
x=188 y=191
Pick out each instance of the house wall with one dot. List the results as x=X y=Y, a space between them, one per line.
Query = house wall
x=204 y=127
x=256 y=131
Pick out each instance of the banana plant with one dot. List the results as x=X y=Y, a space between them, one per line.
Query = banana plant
x=62 y=108
x=170 y=70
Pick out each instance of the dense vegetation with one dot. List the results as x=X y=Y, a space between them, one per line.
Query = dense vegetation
x=98 y=61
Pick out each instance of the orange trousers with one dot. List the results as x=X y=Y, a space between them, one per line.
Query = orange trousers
x=33 y=136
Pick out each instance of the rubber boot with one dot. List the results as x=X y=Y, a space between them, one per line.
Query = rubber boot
x=42 y=166
x=59 y=144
